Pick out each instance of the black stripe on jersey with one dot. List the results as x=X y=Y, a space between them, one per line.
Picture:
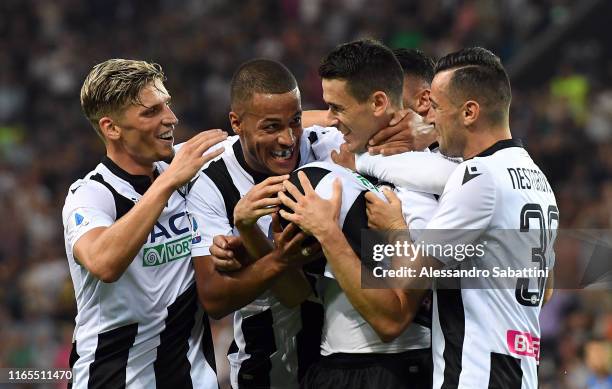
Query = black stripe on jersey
x=313 y=138
x=122 y=204
x=505 y=373
x=74 y=356
x=207 y=343
x=257 y=176
x=309 y=337
x=220 y=176
x=356 y=220
x=172 y=367
x=111 y=357
x=258 y=332
x=315 y=175
x=452 y=322
x=139 y=183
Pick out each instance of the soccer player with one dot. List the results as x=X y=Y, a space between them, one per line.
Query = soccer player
x=487 y=335
x=128 y=239
x=362 y=84
x=275 y=337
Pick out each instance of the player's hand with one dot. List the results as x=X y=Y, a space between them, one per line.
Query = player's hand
x=261 y=200
x=228 y=253
x=344 y=158
x=192 y=156
x=311 y=213
x=383 y=215
x=289 y=244
x=407 y=131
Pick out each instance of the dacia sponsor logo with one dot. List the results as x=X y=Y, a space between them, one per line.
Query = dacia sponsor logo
x=177 y=224
x=167 y=252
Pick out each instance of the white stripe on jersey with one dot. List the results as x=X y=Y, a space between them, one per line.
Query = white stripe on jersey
x=345 y=330
x=145 y=329
x=480 y=333
x=267 y=335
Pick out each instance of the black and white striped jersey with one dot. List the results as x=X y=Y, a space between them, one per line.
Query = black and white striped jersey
x=147 y=329
x=486 y=330
x=273 y=345
x=345 y=330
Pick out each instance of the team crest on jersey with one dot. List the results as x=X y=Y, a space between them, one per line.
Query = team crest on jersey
x=167 y=252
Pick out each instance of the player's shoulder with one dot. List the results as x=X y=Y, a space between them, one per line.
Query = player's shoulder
x=324 y=173
x=88 y=192
x=471 y=174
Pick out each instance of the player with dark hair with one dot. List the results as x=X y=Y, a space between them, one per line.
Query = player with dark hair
x=418 y=72
x=485 y=333
x=276 y=337
x=363 y=346
x=128 y=240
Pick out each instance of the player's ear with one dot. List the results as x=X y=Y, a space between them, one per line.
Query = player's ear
x=422 y=101
x=235 y=122
x=109 y=129
x=379 y=103
x=471 y=111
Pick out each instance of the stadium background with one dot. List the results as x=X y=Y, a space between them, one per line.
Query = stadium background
x=560 y=68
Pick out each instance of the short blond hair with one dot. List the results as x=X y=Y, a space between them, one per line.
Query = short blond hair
x=115 y=84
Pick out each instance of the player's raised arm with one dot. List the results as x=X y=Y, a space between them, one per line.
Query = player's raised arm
x=107 y=251
x=389 y=311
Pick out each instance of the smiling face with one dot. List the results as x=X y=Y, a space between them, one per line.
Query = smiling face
x=270 y=128
x=354 y=119
x=445 y=115
x=143 y=133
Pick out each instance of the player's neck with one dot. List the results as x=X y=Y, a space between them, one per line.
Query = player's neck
x=131 y=166
x=482 y=140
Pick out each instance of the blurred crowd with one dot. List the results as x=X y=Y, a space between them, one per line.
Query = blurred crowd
x=48 y=47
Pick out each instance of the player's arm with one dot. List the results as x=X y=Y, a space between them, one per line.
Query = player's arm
x=291 y=287
x=419 y=171
x=387 y=310
x=222 y=293
x=406 y=131
x=549 y=290
x=106 y=252
x=465 y=211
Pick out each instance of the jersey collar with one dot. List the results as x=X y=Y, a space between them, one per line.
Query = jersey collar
x=257 y=176
x=140 y=183
x=499 y=145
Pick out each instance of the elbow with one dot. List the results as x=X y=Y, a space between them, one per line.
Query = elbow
x=108 y=276
x=389 y=330
x=104 y=273
x=214 y=306
x=388 y=335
